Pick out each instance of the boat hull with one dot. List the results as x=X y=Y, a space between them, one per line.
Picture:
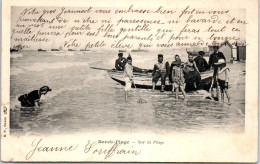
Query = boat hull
x=144 y=80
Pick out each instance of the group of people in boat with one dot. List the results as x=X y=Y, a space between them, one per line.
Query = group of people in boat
x=181 y=73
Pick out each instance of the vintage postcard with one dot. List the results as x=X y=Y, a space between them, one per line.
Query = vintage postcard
x=129 y=81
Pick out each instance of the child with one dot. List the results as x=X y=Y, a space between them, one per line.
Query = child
x=32 y=99
x=222 y=77
x=177 y=78
x=128 y=75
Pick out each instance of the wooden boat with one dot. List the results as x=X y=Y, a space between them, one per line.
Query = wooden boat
x=53 y=49
x=41 y=49
x=144 y=80
x=13 y=50
x=16 y=48
x=84 y=50
x=140 y=50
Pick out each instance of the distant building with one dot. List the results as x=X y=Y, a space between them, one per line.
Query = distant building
x=226 y=49
x=241 y=52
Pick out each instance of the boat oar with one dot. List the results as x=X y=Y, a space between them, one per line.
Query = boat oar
x=140 y=100
x=100 y=68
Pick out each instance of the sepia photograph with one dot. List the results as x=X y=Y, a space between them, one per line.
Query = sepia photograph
x=128 y=75
x=61 y=85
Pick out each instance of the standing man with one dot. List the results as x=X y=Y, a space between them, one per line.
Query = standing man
x=161 y=70
x=120 y=62
x=214 y=57
x=201 y=62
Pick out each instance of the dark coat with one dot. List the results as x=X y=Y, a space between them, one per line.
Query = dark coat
x=214 y=57
x=120 y=64
x=201 y=64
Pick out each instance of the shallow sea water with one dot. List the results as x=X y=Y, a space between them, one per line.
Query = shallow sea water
x=83 y=99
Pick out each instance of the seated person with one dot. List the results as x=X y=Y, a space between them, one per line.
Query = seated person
x=160 y=70
x=201 y=62
x=120 y=62
x=32 y=99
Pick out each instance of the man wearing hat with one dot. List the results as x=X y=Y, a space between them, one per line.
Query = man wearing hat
x=120 y=62
x=32 y=99
x=214 y=57
x=161 y=70
x=201 y=62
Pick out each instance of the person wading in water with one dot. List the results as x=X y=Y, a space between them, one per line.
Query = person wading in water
x=32 y=99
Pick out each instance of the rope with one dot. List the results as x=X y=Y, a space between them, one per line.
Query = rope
x=140 y=100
